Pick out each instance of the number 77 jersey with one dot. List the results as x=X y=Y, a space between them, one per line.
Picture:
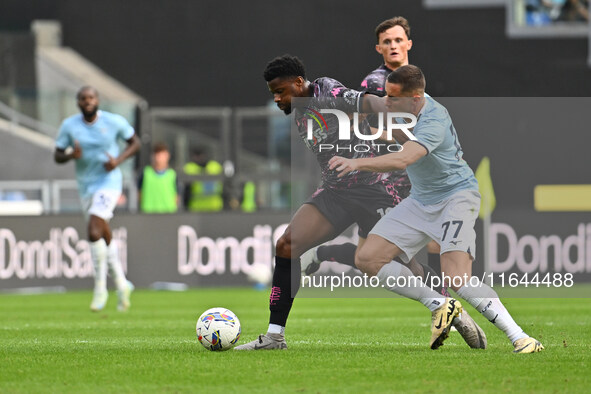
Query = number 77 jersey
x=442 y=172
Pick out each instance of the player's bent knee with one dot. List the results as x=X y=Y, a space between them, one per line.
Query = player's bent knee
x=283 y=246
x=363 y=260
x=94 y=234
x=97 y=229
x=290 y=247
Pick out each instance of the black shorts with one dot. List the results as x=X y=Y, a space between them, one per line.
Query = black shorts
x=364 y=204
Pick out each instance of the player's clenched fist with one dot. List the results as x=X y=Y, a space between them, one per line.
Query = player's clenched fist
x=77 y=151
x=111 y=163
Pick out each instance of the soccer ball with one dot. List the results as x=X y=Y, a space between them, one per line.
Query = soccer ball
x=218 y=329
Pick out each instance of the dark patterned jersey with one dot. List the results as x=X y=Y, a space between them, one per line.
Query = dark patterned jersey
x=331 y=94
x=375 y=81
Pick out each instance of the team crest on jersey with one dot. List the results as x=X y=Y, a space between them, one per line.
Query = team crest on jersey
x=314 y=121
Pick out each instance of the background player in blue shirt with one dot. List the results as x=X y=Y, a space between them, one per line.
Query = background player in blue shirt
x=92 y=137
x=443 y=205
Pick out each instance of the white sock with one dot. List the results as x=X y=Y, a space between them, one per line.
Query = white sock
x=115 y=266
x=399 y=279
x=486 y=301
x=98 y=252
x=276 y=329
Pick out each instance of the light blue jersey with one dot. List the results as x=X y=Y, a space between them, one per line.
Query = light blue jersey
x=96 y=140
x=442 y=172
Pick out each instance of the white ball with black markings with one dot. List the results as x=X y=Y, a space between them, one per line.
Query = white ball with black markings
x=218 y=329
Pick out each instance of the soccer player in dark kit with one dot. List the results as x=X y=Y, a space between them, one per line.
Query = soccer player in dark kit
x=393 y=43
x=360 y=198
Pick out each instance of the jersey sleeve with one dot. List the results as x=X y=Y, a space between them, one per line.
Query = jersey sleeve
x=348 y=100
x=124 y=130
x=351 y=99
x=430 y=134
x=373 y=84
x=63 y=139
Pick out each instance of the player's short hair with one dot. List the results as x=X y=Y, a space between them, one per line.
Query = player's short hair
x=84 y=89
x=284 y=66
x=160 y=147
x=410 y=77
x=390 y=23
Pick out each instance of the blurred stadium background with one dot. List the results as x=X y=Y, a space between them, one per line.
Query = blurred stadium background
x=189 y=73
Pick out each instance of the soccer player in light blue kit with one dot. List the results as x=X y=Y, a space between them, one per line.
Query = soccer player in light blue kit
x=443 y=205
x=92 y=137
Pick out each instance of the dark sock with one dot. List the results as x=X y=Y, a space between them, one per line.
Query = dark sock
x=283 y=290
x=344 y=253
x=434 y=262
x=424 y=272
x=430 y=273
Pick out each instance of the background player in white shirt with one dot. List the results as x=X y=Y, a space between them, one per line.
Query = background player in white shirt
x=93 y=137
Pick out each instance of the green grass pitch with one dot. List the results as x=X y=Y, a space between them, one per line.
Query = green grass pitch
x=53 y=344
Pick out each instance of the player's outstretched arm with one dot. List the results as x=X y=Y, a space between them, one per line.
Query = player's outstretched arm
x=377 y=105
x=373 y=104
x=411 y=152
x=133 y=145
